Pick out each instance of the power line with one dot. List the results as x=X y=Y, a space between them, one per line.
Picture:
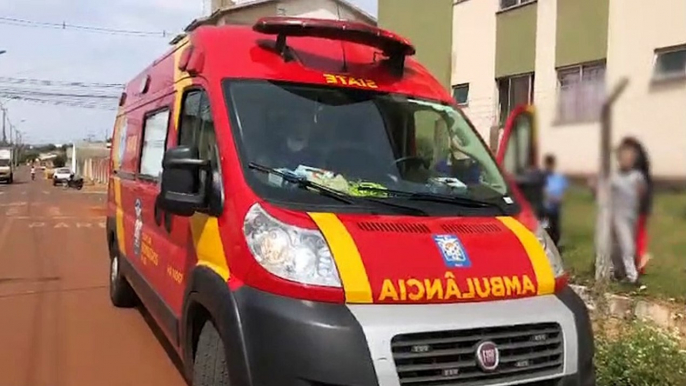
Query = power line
x=95 y=95
x=91 y=29
x=44 y=82
x=59 y=93
x=62 y=102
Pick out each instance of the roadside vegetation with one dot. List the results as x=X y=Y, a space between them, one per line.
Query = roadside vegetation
x=633 y=353
x=666 y=271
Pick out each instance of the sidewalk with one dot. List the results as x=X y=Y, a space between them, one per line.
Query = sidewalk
x=95 y=188
x=668 y=315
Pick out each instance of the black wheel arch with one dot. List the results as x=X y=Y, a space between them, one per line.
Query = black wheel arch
x=208 y=297
x=111 y=234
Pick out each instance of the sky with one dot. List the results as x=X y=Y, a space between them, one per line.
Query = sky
x=35 y=51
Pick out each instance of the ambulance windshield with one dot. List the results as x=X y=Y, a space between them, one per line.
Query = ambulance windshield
x=359 y=142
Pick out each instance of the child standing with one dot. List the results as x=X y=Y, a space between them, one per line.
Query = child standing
x=628 y=188
x=642 y=165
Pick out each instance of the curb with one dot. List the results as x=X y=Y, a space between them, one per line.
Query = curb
x=625 y=307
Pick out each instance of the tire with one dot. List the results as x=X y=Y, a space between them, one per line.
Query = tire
x=121 y=293
x=11 y=180
x=209 y=366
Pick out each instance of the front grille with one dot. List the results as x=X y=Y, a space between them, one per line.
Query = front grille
x=393 y=227
x=448 y=358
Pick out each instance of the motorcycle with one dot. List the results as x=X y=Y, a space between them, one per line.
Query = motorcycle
x=75 y=182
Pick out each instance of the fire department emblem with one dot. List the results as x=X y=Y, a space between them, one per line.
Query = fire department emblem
x=138 y=227
x=454 y=254
x=487 y=356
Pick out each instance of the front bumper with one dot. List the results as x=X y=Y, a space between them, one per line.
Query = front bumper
x=304 y=343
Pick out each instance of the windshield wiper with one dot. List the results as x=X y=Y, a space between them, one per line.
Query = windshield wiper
x=304 y=183
x=436 y=197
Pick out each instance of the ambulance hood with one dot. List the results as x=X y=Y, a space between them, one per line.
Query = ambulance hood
x=389 y=259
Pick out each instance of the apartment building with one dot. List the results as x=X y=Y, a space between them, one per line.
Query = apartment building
x=249 y=11
x=564 y=56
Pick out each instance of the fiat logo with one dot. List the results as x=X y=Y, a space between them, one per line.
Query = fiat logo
x=487 y=356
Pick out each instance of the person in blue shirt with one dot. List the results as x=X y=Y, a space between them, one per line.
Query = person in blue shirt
x=556 y=185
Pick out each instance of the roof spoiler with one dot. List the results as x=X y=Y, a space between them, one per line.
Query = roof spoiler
x=394 y=47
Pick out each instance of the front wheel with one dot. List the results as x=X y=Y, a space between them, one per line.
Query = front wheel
x=121 y=293
x=209 y=366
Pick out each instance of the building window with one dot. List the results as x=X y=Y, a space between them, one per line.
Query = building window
x=581 y=92
x=505 y=4
x=514 y=91
x=461 y=94
x=670 y=63
x=154 y=140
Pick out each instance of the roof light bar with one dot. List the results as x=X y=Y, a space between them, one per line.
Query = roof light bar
x=395 y=47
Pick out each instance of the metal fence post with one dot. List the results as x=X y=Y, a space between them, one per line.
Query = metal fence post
x=603 y=231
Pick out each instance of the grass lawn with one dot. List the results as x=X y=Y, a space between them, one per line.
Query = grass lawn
x=666 y=273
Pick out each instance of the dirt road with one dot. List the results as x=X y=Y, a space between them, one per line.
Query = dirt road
x=57 y=325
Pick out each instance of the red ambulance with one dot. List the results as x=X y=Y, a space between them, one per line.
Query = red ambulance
x=299 y=202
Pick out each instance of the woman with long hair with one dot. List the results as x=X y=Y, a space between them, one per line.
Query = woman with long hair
x=642 y=165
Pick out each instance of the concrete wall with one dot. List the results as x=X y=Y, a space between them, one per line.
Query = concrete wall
x=93 y=170
x=428 y=24
x=581 y=30
x=515 y=46
x=576 y=146
x=655 y=114
x=473 y=59
x=248 y=15
x=320 y=9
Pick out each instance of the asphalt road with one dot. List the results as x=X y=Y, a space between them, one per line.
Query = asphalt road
x=58 y=327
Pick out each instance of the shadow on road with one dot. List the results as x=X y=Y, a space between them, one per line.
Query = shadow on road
x=152 y=324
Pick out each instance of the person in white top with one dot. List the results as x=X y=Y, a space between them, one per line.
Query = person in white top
x=628 y=187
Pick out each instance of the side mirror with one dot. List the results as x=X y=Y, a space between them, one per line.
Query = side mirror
x=181 y=191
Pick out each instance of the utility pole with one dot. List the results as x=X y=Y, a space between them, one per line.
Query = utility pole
x=603 y=230
x=4 y=118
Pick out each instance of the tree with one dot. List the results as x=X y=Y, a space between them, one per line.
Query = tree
x=59 y=161
x=28 y=155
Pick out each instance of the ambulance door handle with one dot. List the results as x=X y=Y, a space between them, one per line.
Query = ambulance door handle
x=157 y=212
x=168 y=217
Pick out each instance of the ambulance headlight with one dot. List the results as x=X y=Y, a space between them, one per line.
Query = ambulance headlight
x=551 y=251
x=289 y=252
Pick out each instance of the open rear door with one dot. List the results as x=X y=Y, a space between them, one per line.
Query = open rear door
x=518 y=156
x=517 y=147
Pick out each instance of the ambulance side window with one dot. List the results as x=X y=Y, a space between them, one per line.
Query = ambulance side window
x=197 y=125
x=197 y=129
x=189 y=118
